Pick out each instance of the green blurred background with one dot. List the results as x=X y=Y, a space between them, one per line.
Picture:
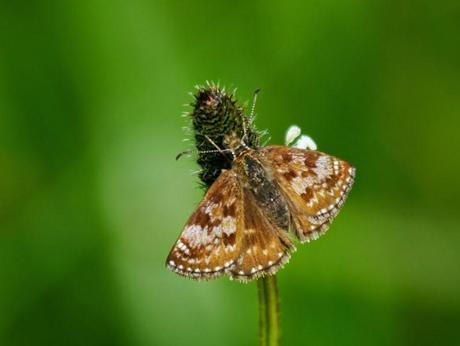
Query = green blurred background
x=91 y=198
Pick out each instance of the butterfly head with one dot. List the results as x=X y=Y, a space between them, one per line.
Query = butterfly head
x=235 y=144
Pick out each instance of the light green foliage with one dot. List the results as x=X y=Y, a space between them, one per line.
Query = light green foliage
x=91 y=198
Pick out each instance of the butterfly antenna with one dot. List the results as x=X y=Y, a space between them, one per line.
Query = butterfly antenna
x=252 y=114
x=222 y=151
x=254 y=100
x=191 y=151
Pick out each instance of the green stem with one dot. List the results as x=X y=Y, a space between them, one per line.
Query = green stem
x=269 y=324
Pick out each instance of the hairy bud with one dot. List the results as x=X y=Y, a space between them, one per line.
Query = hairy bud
x=216 y=114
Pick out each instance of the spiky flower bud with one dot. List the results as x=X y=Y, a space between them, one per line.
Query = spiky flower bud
x=216 y=114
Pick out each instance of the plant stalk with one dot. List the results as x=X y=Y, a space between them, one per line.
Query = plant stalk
x=269 y=324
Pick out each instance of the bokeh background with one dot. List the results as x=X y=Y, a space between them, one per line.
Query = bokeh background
x=92 y=199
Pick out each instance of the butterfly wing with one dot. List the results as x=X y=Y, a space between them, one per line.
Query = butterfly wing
x=229 y=233
x=315 y=186
x=209 y=243
x=264 y=247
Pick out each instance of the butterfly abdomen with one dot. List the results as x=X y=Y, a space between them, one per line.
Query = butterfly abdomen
x=215 y=115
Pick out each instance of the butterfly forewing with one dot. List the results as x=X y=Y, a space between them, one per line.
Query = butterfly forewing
x=210 y=242
x=314 y=184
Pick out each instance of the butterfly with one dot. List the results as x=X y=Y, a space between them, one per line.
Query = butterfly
x=245 y=224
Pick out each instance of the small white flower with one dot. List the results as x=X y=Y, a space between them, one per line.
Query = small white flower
x=305 y=142
x=292 y=133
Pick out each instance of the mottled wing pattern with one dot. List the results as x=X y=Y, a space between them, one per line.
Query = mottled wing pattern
x=315 y=185
x=209 y=244
x=264 y=247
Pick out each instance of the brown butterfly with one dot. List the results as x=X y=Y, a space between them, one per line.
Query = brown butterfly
x=241 y=227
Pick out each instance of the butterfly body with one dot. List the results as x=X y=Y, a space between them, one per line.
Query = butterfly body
x=241 y=227
x=258 y=180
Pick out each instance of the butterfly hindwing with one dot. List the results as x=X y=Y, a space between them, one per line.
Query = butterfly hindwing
x=264 y=247
x=314 y=184
x=209 y=243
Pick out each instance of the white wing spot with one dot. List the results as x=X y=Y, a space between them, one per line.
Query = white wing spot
x=229 y=225
x=209 y=208
x=197 y=236
x=323 y=167
x=300 y=184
